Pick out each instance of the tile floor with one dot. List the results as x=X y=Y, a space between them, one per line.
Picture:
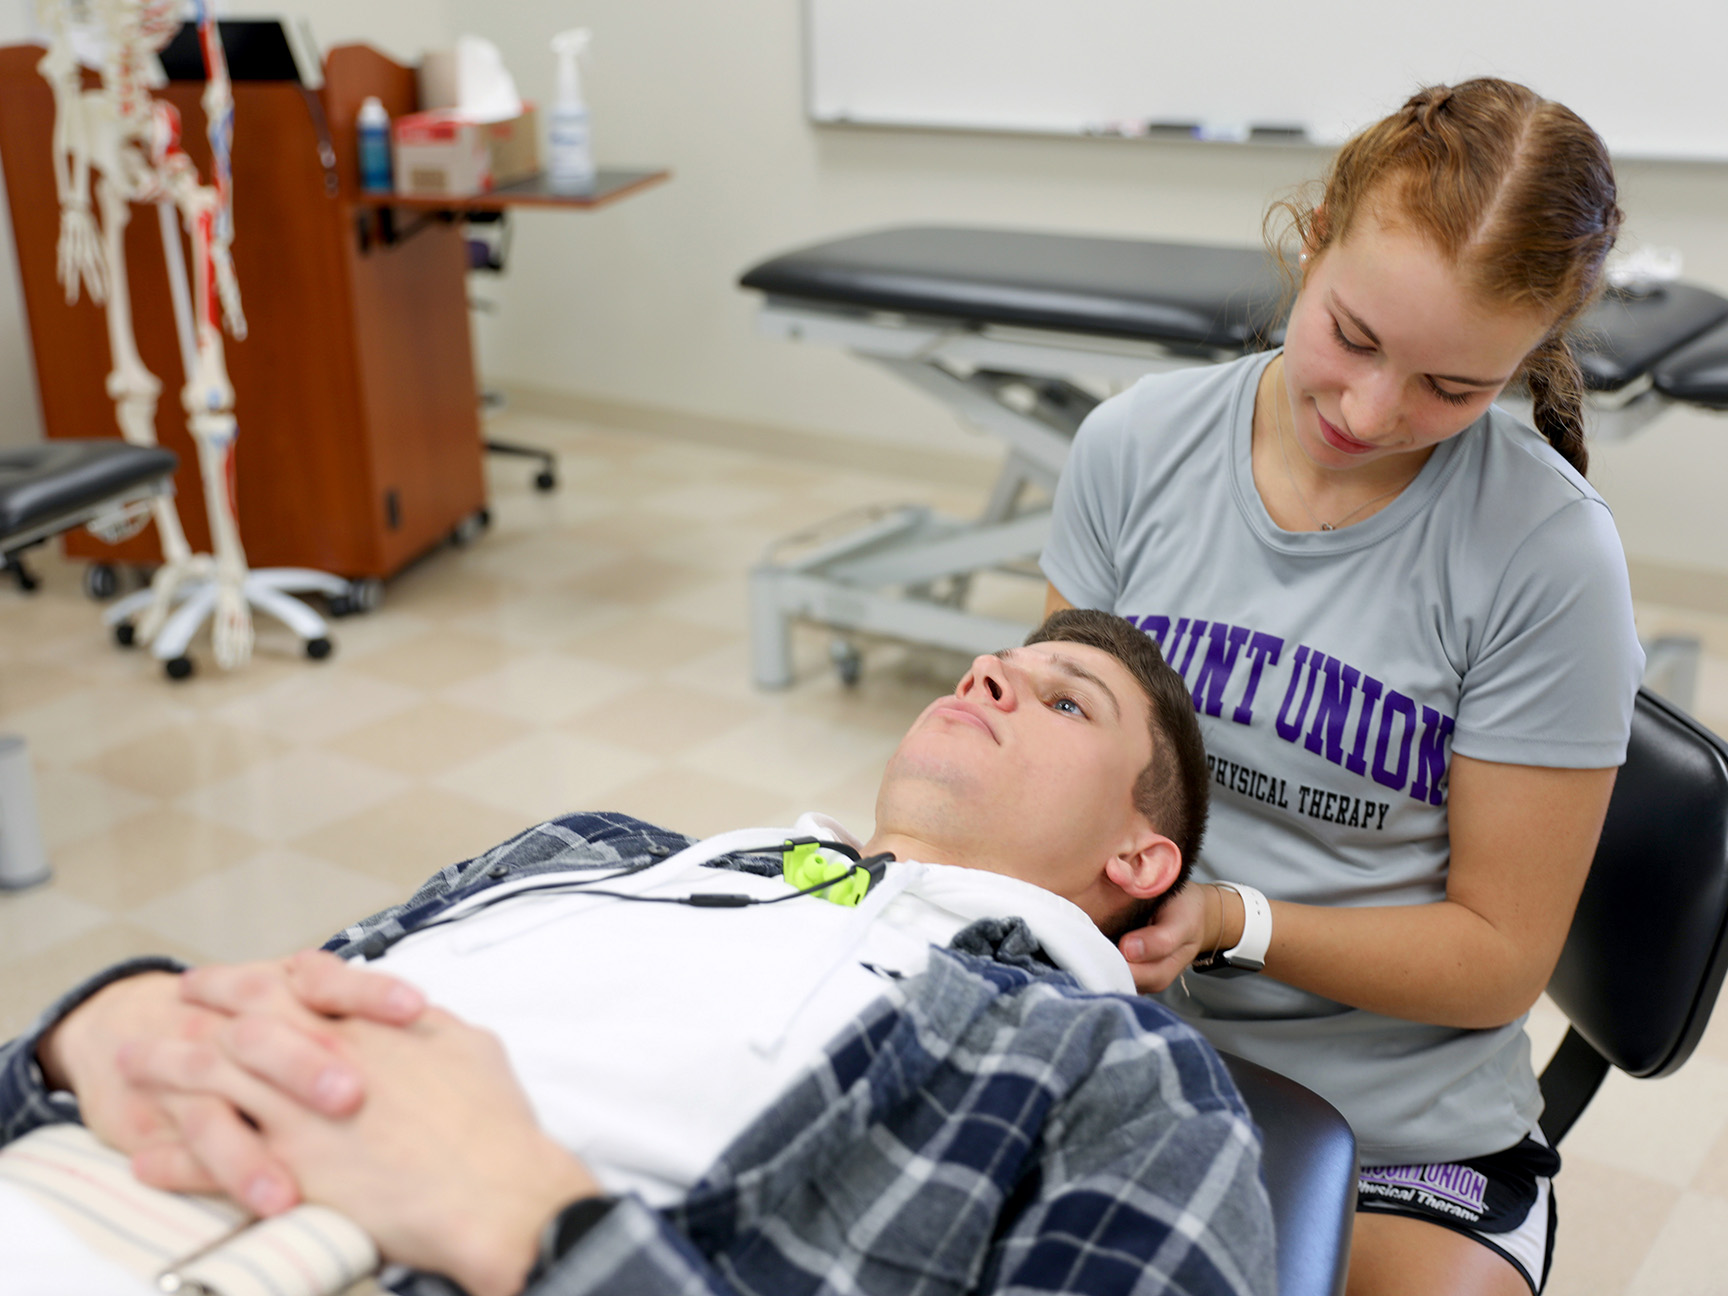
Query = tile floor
x=590 y=651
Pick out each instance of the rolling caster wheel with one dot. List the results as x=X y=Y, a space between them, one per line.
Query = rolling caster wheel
x=101 y=582
x=27 y=583
x=467 y=531
x=366 y=595
x=125 y=635
x=848 y=662
x=318 y=649
x=178 y=668
x=339 y=605
x=545 y=480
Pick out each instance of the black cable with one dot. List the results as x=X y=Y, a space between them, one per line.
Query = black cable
x=375 y=945
x=872 y=868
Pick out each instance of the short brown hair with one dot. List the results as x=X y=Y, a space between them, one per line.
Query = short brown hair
x=1173 y=790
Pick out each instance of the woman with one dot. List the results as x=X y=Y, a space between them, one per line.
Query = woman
x=1405 y=620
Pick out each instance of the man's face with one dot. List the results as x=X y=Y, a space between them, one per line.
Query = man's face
x=1026 y=769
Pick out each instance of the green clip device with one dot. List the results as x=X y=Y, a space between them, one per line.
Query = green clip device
x=807 y=865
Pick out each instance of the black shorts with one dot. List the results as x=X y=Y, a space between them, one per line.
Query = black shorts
x=1504 y=1200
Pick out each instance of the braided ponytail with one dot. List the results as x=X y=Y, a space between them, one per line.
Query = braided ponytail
x=1557 y=398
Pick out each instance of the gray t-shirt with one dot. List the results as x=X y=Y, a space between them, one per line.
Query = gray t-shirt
x=1484 y=611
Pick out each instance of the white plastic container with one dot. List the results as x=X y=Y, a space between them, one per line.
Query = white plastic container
x=570 y=156
x=23 y=862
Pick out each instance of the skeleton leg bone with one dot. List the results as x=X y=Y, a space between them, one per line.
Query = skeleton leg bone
x=208 y=397
x=134 y=389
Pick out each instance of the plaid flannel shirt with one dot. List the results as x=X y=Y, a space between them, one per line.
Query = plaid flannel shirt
x=987 y=1126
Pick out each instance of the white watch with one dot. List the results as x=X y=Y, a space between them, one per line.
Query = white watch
x=1249 y=953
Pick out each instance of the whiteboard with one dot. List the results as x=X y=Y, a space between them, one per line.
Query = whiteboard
x=1652 y=78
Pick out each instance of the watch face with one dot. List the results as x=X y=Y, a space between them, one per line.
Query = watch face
x=1221 y=965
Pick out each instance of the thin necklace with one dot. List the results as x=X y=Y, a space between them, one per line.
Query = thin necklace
x=1290 y=476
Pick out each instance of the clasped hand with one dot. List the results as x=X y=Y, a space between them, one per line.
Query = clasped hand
x=309 y=1077
x=159 y=1129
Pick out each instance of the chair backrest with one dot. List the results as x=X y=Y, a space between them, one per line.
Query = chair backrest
x=1646 y=954
x=1309 y=1159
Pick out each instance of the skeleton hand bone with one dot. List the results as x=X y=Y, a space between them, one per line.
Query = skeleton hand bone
x=80 y=253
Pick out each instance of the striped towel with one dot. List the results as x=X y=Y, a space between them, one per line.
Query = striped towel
x=197 y=1245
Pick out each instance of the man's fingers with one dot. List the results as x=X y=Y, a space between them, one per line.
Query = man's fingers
x=308 y=983
x=217 y=1142
x=238 y=987
x=204 y=1095
x=337 y=988
x=167 y=1164
x=282 y=1055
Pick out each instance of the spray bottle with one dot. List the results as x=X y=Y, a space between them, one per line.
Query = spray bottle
x=572 y=158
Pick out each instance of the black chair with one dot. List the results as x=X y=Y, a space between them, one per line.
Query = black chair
x=1639 y=974
x=1644 y=960
x=1309 y=1160
x=489 y=256
x=54 y=486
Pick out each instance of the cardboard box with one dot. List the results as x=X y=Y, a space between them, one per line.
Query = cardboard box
x=441 y=152
x=514 y=147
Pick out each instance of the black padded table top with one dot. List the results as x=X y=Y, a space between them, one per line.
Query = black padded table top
x=55 y=479
x=1175 y=294
x=1698 y=372
x=1187 y=295
x=1624 y=337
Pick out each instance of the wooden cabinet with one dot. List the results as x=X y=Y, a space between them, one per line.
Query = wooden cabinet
x=354 y=388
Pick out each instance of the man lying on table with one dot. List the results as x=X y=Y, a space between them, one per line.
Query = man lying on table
x=947 y=1086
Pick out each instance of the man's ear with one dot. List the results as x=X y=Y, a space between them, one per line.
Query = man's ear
x=1148 y=868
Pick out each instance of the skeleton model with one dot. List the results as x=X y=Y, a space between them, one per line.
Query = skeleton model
x=130 y=143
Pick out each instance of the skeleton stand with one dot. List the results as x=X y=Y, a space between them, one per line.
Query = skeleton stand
x=131 y=141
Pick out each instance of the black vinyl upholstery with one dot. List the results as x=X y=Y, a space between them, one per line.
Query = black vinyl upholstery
x=1698 y=372
x=1622 y=337
x=1645 y=958
x=1310 y=1166
x=1176 y=294
x=1191 y=297
x=41 y=483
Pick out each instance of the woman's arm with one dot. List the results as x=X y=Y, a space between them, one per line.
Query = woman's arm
x=1522 y=838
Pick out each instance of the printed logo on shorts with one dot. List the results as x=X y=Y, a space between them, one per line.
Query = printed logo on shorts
x=1454 y=1190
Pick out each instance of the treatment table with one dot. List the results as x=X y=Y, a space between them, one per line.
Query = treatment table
x=46 y=489
x=1022 y=334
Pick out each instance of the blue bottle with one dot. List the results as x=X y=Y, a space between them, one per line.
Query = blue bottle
x=374 y=147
